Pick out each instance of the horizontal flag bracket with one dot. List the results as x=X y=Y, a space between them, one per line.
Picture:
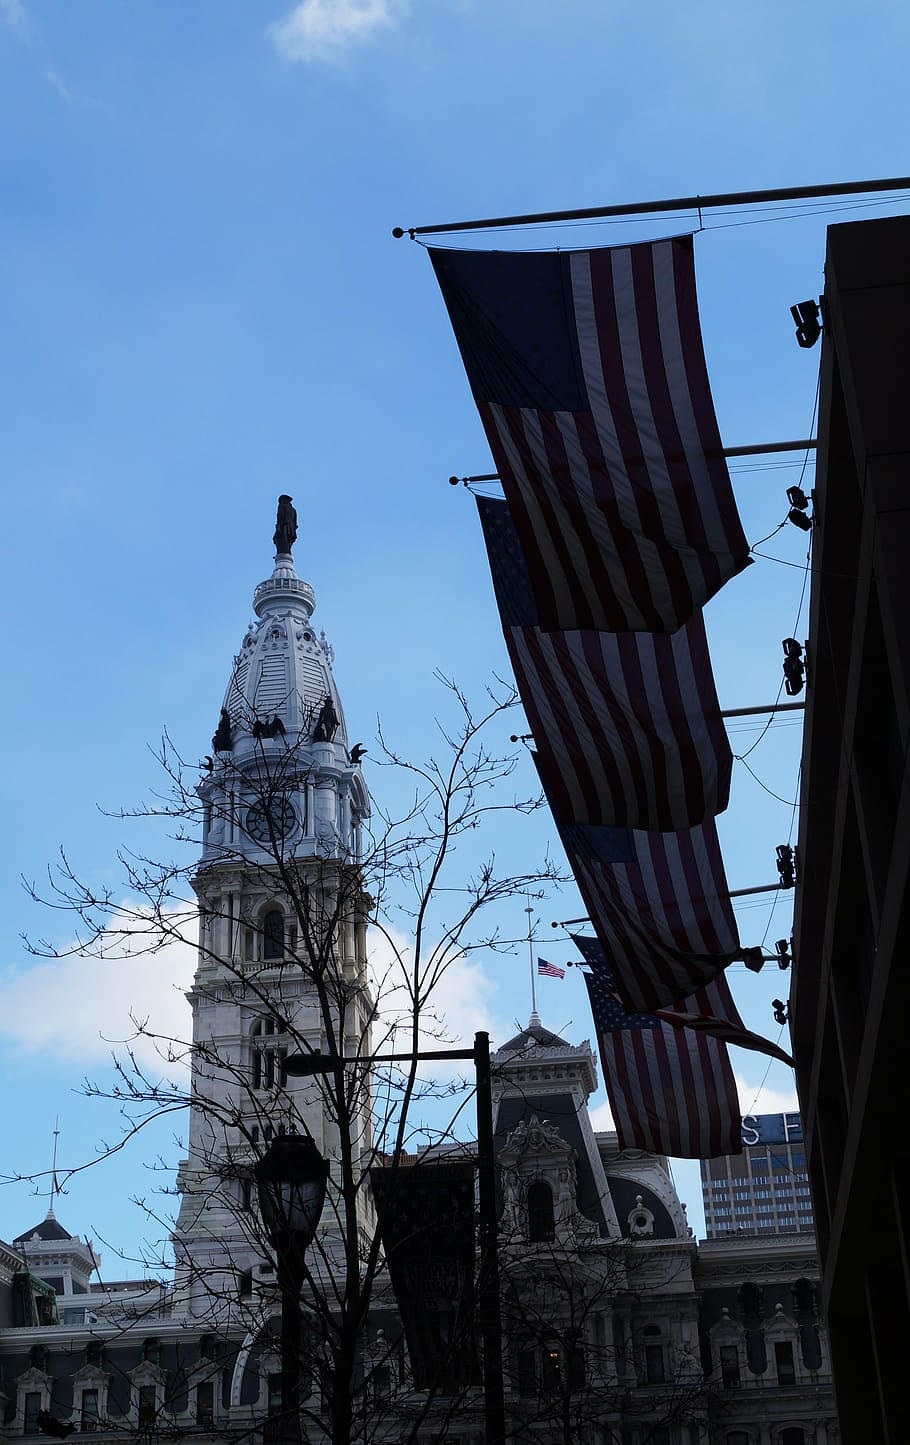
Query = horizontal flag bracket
x=759 y=711
x=758 y=449
x=679 y=203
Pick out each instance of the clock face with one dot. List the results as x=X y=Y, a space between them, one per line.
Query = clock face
x=277 y=821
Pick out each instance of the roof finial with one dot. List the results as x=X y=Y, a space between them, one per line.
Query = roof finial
x=55 y=1187
x=285 y=527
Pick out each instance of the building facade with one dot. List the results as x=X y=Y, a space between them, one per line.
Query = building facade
x=850 y=988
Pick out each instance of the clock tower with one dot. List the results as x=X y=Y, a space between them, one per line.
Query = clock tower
x=282 y=939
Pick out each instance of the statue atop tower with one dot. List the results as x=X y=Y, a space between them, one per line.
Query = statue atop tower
x=285 y=527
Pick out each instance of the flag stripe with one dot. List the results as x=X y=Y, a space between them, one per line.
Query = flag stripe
x=662 y=913
x=588 y=370
x=628 y=725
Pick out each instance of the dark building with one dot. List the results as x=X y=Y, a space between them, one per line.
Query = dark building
x=851 y=984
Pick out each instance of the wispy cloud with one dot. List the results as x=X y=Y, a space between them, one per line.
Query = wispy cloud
x=14 y=16
x=56 y=82
x=326 y=30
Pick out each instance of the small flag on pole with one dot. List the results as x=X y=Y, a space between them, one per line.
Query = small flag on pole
x=549 y=970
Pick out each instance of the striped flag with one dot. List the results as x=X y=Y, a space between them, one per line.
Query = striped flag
x=627 y=726
x=589 y=374
x=710 y=1010
x=660 y=907
x=671 y=1090
x=549 y=970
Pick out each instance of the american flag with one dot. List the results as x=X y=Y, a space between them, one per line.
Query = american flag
x=589 y=374
x=671 y=1090
x=660 y=907
x=627 y=726
x=710 y=1010
x=549 y=970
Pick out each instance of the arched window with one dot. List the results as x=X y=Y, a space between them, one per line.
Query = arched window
x=541 y=1222
x=793 y=1436
x=273 y=934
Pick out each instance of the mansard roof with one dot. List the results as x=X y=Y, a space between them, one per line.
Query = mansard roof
x=534 y=1036
x=49 y=1228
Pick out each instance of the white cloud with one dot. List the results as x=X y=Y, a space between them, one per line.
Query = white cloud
x=80 y=1008
x=602 y=1118
x=759 y=1099
x=462 y=1002
x=327 y=29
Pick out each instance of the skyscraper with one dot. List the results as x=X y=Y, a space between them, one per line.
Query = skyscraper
x=766 y=1188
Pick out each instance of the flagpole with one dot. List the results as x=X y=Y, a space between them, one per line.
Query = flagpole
x=678 y=203
x=529 y=910
x=50 y=1208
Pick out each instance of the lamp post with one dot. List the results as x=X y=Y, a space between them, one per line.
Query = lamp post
x=291 y=1182
x=308 y=1065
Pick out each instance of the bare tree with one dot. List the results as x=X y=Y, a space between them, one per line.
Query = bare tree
x=283 y=970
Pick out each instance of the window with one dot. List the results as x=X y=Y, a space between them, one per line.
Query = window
x=551 y=1371
x=88 y=1419
x=729 y=1367
x=654 y=1364
x=31 y=1411
x=736 y=1437
x=273 y=934
x=273 y=1394
x=148 y=1404
x=245 y=1284
x=268 y=1057
x=527 y=1372
x=793 y=1436
x=205 y=1403
x=783 y=1359
x=541 y=1223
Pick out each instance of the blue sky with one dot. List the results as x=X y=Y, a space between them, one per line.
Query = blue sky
x=202 y=306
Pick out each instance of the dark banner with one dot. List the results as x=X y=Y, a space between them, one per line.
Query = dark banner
x=426 y=1219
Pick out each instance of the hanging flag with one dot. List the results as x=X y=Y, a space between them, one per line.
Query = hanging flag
x=671 y=1089
x=549 y=970
x=426 y=1221
x=660 y=907
x=589 y=374
x=711 y=1009
x=627 y=725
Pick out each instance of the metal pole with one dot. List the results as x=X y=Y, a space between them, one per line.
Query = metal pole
x=290 y=1281
x=759 y=450
x=765 y=708
x=488 y=1290
x=680 y=203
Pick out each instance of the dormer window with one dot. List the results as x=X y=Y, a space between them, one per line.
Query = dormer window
x=541 y=1220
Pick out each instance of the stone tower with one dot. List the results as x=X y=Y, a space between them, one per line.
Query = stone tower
x=282 y=935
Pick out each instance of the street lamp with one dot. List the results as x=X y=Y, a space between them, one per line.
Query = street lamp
x=309 y=1064
x=291 y=1182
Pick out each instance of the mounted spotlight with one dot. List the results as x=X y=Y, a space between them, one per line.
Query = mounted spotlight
x=794 y=667
x=786 y=865
x=808 y=326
